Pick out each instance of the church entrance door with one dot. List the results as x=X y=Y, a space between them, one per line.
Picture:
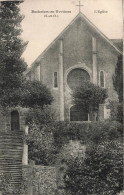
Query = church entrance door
x=78 y=114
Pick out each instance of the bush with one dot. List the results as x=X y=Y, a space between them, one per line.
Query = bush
x=64 y=131
x=46 y=139
x=40 y=116
x=31 y=94
x=89 y=96
x=40 y=138
x=41 y=146
x=104 y=130
x=118 y=78
x=116 y=111
x=101 y=172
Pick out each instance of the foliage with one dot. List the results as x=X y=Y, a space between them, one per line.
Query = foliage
x=47 y=136
x=14 y=90
x=89 y=96
x=6 y=186
x=34 y=93
x=116 y=111
x=64 y=131
x=31 y=94
x=40 y=117
x=118 y=78
x=41 y=147
x=104 y=130
x=86 y=132
x=46 y=139
x=12 y=65
x=39 y=179
x=40 y=138
x=101 y=172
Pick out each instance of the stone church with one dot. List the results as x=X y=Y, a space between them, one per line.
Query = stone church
x=81 y=52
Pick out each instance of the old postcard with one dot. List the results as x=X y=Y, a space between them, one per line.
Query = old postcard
x=61 y=86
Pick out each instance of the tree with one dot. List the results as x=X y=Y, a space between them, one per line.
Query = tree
x=14 y=89
x=12 y=46
x=40 y=138
x=117 y=107
x=101 y=172
x=116 y=111
x=31 y=94
x=118 y=78
x=12 y=65
x=89 y=96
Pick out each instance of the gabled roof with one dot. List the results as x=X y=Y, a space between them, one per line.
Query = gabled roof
x=83 y=17
x=118 y=43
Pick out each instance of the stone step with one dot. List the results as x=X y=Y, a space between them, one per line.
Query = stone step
x=15 y=149
x=12 y=165
x=11 y=150
x=13 y=176
x=16 y=173
x=8 y=136
x=6 y=162
x=12 y=141
x=11 y=168
x=11 y=157
x=11 y=132
x=11 y=136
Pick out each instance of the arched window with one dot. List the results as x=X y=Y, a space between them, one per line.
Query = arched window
x=102 y=78
x=78 y=114
x=55 y=80
x=15 y=120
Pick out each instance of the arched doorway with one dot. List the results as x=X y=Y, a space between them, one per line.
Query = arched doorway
x=78 y=114
x=15 y=120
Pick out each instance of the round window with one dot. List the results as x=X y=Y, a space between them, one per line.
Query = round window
x=76 y=77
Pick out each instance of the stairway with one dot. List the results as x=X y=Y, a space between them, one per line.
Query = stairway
x=11 y=148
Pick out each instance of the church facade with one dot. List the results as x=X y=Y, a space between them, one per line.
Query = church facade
x=80 y=53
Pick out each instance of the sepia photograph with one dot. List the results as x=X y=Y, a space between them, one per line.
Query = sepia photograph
x=61 y=97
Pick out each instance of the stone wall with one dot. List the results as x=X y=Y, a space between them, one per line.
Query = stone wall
x=46 y=180
x=5 y=118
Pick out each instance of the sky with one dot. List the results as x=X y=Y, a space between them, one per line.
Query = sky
x=40 y=31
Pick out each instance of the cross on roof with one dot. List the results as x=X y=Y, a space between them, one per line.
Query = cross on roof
x=79 y=6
